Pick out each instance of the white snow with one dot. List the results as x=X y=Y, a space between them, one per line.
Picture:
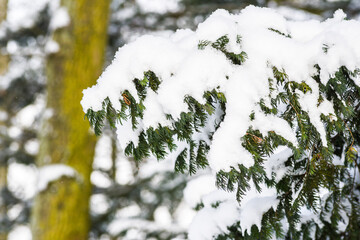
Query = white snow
x=100 y=179
x=20 y=232
x=12 y=47
x=60 y=18
x=197 y=188
x=22 y=180
x=51 y=47
x=27 y=116
x=159 y=6
x=32 y=146
x=53 y=172
x=99 y=203
x=14 y=211
x=124 y=170
x=103 y=150
x=252 y=211
x=133 y=225
x=162 y=216
x=275 y=163
x=14 y=131
x=24 y=13
x=184 y=215
x=210 y=222
x=3 y=115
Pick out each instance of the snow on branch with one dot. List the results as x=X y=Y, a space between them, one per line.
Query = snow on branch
x=231 y=55
x=231 y=94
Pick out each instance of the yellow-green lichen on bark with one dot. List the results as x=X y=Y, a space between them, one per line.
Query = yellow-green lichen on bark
x=3 y=10
x=4 y=60
x=62 y=210
x=3 y=209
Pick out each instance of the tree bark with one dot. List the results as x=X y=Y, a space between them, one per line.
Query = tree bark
x=3 y=165
x=3 y=10
x=3 y=209
x=62 y=210
x=4 y=58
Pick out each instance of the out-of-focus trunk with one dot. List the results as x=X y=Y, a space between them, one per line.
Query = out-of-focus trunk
x=3 y=209
x=61 y=211
x=4 y=59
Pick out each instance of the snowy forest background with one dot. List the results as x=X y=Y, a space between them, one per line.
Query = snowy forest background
x=128 y=200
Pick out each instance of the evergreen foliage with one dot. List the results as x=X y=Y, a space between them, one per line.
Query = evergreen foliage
x=310 y=167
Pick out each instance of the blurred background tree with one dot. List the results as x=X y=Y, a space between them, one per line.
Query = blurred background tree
x=41 y=66
x=61 y=210
x=3 y=164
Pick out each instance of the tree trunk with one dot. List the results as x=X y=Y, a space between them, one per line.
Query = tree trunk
x=3 y=10
x=4 y=58
x=3 y=165
x=3 y=209
x=61 y=211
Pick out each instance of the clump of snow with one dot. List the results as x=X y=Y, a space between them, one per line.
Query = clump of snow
x=99 y=203
x=12 y=47
x=133 y=226
x=254 y=205
x=51 y=47
x=184 y=215
x=53 y=172
x=60 y=18
x=32 y=146
x=22 y=180
x=14 y=131
x=124 y=170
x=15 y=211
x=20 y=232
x=221 y=210
x=100 y=179
x=275 y=164
x=162 y=216
x=27 y=116
x=103 y=150
x=210 y=221
x=24 y=13
x=197 y=188
x=159 y=6
x=3 y=115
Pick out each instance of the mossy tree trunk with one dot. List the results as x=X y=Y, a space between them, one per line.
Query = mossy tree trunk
x=4 y=58
x=3 y=209
x=3 y=165
x=3 y=10
x=61 y=211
